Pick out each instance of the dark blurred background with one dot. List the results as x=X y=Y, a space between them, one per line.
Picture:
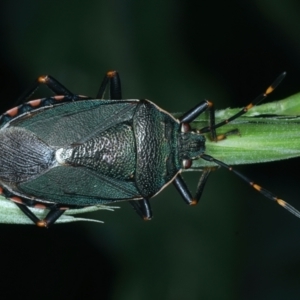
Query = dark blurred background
x=235 y=244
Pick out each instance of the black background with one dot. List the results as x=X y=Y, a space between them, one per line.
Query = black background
x=235 y=244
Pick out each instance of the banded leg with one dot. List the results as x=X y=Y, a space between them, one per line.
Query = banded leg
x=184 y=190
x=112 y=79
x=56 y=87
x=49 y=220
x=143 y=208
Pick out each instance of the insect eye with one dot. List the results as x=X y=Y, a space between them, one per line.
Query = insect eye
x=187 y=163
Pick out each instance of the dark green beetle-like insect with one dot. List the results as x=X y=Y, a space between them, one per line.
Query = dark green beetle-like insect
x=72 y=151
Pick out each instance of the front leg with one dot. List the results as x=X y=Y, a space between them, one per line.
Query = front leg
x=143 y=208
x=184 y=190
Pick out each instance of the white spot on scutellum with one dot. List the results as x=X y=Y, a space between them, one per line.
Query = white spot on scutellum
x=58 y=156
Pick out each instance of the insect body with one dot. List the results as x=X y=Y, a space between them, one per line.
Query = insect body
x=71 y=151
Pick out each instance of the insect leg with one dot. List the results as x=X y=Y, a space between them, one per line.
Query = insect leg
x=257 y=187
x=143 y=208
x=55 y=86
x=184 y=191
x=223 y=136
x=193 y=113
x=28 y=213
x=51 y=217
x=112 y=79
x=202 y=182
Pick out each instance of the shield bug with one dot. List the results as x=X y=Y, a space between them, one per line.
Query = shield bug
x=72 y=151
